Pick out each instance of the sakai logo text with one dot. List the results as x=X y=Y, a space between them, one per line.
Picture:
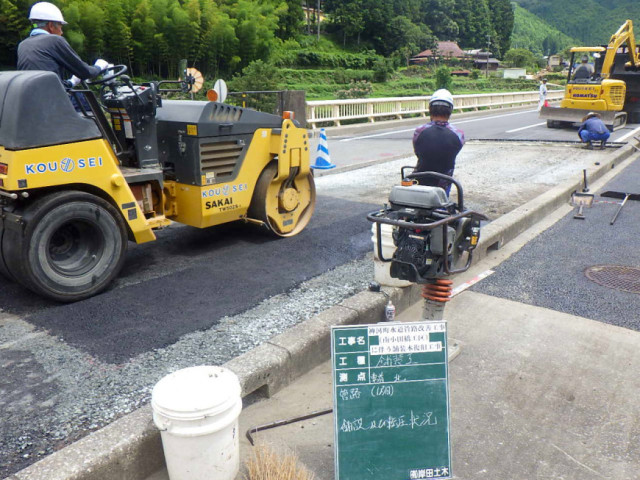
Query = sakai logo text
x=219 y=203
x=66 y=165
x=224 y=190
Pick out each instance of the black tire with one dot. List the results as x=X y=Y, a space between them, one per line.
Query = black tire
x=73 y=246
x=4 y=270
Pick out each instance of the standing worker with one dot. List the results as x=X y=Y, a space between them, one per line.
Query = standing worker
x=437 y=143
x=45 y=49
x=593 y=129
x=543 y=94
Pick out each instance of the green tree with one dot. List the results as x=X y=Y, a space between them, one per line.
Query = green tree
x=520 y=57
x=443 y=78
x=13 y=28
x=118 y=34
x=474 y=22
x=220 y=43
x=441 y=17
x=258 y=75
x=382 y=70
x=349 y=17
x=91 y=21
x=402 y=32
x=290 y=18
x=256 y=24
x=503 y=18
x=143 y=32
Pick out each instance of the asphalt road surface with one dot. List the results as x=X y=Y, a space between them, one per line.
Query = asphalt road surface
x=204 y=296
x=386 y=142
x=585 y=267
x=189 y=279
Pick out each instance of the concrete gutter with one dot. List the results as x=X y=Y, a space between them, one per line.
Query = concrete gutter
x=130 y=448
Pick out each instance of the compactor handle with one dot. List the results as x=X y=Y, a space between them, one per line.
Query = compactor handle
x=402 y=170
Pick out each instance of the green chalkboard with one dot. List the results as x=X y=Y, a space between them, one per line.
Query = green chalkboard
x=391 y=401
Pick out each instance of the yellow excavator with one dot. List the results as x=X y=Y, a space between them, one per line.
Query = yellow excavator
x=75 y=188
x=611 y=88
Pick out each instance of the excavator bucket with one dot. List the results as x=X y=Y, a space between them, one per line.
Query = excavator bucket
x=557 y=117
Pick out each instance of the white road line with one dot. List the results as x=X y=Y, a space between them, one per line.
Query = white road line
x=455 y=123
x=376 y=135
x=631 y=133
x=524 y=128
x=462 y=287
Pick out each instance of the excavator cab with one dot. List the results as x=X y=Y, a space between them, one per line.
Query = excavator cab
x=604 y=90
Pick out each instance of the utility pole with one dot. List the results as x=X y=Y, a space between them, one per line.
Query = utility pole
x=318 y=15
x=486 y=72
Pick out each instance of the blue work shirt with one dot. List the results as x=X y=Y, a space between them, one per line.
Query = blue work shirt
x=436 y=144
x=594 y=125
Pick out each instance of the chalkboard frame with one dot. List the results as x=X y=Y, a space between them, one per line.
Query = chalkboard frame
x=377 y=436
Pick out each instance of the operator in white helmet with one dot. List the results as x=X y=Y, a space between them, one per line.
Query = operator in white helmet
x=46 y=49
x=437 y=143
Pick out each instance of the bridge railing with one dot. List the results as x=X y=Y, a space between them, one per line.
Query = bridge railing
x=369 y=109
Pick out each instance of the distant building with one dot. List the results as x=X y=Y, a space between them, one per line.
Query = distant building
x=443 y=50
x=484 y=61
x=555 y=61
x=514 y=73
x=481 y=64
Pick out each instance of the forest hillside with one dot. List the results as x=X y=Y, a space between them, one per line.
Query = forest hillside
x=591 y=22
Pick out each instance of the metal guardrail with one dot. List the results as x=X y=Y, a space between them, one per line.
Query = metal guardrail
x=370 y=109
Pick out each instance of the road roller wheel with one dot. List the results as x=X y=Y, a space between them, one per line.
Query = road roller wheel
x=285 y=206
x=73 y=246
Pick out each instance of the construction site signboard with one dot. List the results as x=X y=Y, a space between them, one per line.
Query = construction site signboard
x=391 y=401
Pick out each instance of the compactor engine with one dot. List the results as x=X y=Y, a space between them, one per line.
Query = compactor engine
x=75 y=187
x=432 y=234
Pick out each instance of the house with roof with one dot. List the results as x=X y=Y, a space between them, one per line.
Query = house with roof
x=444 y=50
x=483 y=60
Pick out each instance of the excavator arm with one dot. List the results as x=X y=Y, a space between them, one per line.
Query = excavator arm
x=622 y=36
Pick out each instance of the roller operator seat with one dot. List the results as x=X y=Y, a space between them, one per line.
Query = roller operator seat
x=35 y=111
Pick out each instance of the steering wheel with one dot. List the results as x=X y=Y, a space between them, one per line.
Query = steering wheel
x=117 y=71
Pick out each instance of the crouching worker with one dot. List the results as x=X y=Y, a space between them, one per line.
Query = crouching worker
x=593 y=129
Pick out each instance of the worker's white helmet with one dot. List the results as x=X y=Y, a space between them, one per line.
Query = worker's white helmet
x=442 y=97
x=47 y=12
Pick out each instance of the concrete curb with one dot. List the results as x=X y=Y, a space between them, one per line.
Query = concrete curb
x=130 y=448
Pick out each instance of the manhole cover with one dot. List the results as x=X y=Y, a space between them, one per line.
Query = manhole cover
x=619 y=277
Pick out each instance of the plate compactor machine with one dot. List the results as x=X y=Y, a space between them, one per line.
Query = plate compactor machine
x=431 y=233
x=75 y=187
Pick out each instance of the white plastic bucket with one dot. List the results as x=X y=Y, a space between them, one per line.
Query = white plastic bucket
x=382 y=270
x=196 y=410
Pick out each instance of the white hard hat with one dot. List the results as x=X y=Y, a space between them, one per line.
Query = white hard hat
x=442 y=97
x=45 y=11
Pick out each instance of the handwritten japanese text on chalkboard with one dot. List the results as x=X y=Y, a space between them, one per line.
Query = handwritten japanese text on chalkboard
x=391 y=401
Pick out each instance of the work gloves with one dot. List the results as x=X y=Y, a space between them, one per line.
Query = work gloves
x=102 y=64
x=72 y=82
